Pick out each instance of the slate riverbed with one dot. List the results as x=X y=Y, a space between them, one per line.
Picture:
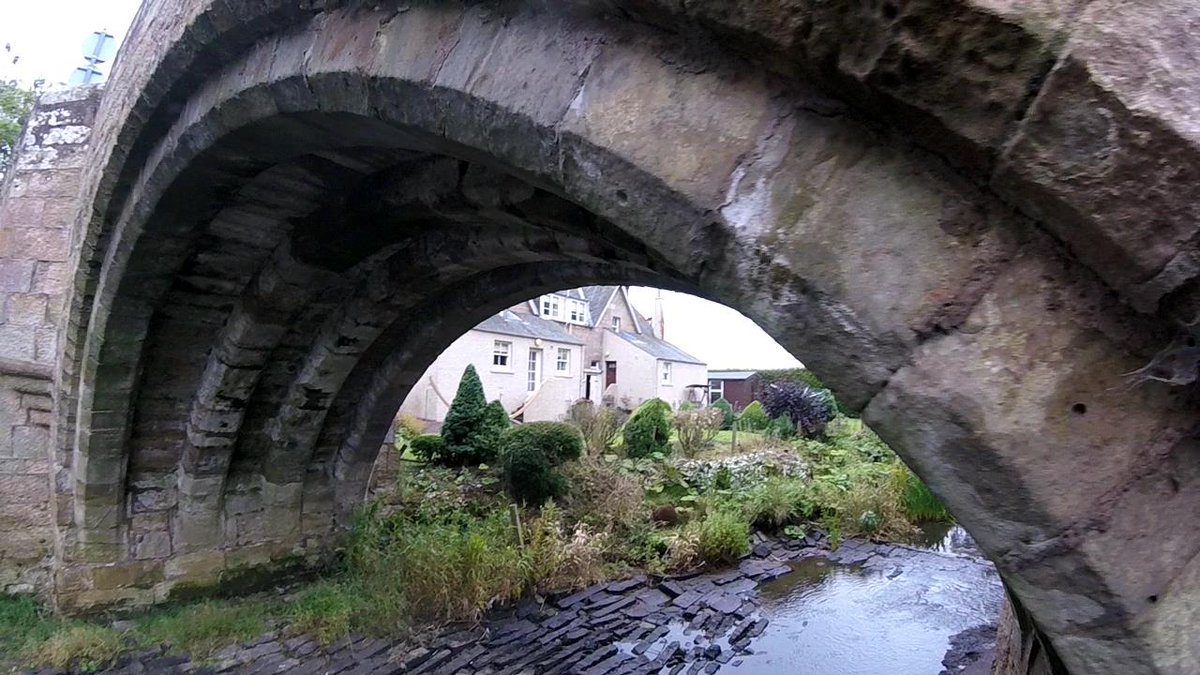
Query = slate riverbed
x=791 y=606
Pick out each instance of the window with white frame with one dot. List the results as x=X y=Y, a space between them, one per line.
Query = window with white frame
x=576 y=311
x=562 y=365
x=551 y=308
x=616 y=323
x=665 y=369
x=716 y=390
x=501 y=353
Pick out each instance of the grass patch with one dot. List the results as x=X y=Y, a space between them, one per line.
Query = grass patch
x=23 y=620
x=328 y=609
x=202 y=628
x=77 y=645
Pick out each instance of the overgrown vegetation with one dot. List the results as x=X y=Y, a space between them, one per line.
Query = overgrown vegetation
x=594 y=500
x=600 y=425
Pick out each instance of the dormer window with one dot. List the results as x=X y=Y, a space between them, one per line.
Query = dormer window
x=576 y=311
x=551 y=308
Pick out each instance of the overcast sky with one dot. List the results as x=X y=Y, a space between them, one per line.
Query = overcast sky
x=48 y=36
x=713 y=333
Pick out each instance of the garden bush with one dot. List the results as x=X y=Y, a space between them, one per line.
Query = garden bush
x=723 y=536
x=726 y=410
x=530 y=456
x=428 y=447
x=781 y=428
x=648 y=430
x=754 y=418
x=808 y=409
x=696 y=429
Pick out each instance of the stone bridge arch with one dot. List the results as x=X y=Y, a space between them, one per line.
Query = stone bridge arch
x=287 y=210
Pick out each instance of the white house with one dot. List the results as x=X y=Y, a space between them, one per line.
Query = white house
x=540 y=356
x=531 y=365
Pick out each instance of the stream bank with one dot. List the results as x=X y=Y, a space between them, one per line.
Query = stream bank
x=792 y=605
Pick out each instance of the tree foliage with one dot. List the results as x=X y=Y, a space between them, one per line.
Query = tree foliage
x=15 y=104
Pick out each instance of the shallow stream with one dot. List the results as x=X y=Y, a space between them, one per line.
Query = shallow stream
x=881 y=611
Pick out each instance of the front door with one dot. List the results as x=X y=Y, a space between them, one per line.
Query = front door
x=610 y=373
x=535 y=368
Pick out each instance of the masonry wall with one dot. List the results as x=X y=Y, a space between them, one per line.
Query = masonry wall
x=38 y=202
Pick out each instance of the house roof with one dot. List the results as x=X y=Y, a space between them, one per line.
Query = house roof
x=597 y=298
x=526 y=325
x=659 y=349
x=731 y=374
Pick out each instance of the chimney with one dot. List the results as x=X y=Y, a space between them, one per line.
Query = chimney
x=660 y=330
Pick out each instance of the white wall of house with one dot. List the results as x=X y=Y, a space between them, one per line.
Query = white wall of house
x=636 y=372
x=508 y=382
x=674 y=390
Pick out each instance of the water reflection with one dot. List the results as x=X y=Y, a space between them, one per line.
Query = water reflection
x=946 y=538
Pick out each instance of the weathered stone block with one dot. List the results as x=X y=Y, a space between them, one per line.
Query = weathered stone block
x=196 y=567
x=141 y=574
x=30 y=442
x=16 y=275
x=18 y=342
x=152 y=545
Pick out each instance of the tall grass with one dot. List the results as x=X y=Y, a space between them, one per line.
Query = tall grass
x=917 y=500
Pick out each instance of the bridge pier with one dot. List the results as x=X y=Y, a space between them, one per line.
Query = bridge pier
x=39 y=201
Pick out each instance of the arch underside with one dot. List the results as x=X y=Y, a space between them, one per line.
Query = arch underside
x=337 y=205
